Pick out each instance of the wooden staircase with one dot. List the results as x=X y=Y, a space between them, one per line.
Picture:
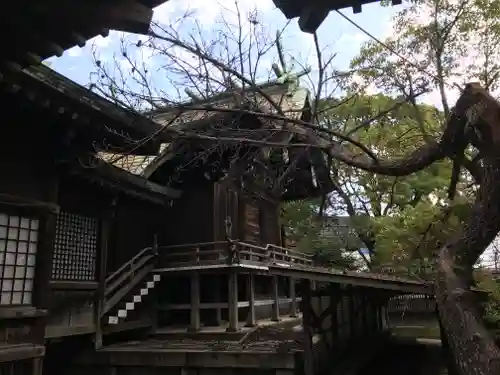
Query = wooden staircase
x=125 y=290
x=134 y=300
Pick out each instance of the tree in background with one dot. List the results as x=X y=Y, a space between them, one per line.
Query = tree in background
x=305 y=229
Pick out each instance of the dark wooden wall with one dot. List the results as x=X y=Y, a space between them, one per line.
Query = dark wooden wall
x=253 y=221
x=191 y=218
x=133 y=227
x=28 y=189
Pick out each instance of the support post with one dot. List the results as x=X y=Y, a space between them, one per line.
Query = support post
x=42 y=293
x=251 y=301
x=101 y=274
x=317 y=287
x=195 y=302
x=233 y=302
x=293 y=297
x=37 y=366
x=334 y=321
x=352 y=315
x=276 y=298
x=153 y=305
x=218 y=310
x=305 y=288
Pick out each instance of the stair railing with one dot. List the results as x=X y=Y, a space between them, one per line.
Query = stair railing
x=119 y=284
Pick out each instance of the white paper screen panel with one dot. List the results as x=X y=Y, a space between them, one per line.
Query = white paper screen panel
x=18 y=246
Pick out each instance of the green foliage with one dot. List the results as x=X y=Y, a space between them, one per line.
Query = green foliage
x=306 y=231
x=485 y=282
x=440 y=40
x=408 y=240
x=400 y=209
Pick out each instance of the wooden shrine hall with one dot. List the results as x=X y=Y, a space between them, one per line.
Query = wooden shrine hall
x=220 y=270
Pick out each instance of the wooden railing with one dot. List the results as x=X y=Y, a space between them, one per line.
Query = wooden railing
x=282 y=254
x=230 y=252
x=412 y=303
x=203 y=253
x=125 y=278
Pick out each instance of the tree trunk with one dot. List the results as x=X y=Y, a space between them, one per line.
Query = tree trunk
x=475 y=119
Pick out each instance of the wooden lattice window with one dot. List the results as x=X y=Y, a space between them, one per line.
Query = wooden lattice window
x=75 y=248
x=18 y=246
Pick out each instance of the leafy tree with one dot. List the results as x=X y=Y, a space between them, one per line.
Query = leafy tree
x=486 y=282
x=391 y=208
x=307 y=232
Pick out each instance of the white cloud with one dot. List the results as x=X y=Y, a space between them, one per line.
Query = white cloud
x=207 y=12
x=74 y=51
x=103 y=42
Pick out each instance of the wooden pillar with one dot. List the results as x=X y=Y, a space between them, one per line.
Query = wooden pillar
x=154 y=302
x=352 y=315
x=218 y=299
x=37 y=366
x=293 y=297
x=383 y=313
x=367 y=314
x=195 y=302
x=305 y=288
x=334 y=323
x=101 y=273
x=42 y=293
x=251 y=301
x=276 y=298
x=233 y=301
x=317 y=287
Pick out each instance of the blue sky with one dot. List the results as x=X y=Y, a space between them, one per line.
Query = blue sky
x=336 y=33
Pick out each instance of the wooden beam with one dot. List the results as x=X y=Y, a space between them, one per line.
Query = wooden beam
x=101 y=274
x=218 y=298
x=251 y=320
x=18 y=201
x=21 y=352
x=37 y=366
x=293 y=297
x=312 y=16
x=195 y=302
x=305 y=289
x=374 y=281
x=128 y=15
x=233 y=301
x=335 y=298
x=127 y=182
x=276 y=305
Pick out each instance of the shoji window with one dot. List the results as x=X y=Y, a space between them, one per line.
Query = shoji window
x=18 y=246
x=75 y=248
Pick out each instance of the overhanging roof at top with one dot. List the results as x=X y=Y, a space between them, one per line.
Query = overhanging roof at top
x=312 y=13
x=192 y=119
x=178 y=151
x=41 y=87
x=34 y=30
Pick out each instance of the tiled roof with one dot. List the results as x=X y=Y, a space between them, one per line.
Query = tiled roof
x=291 y=103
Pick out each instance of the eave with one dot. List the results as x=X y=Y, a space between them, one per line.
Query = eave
x=45 y=88
x=38 y=29
x=117 y=179
x=312 y=13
